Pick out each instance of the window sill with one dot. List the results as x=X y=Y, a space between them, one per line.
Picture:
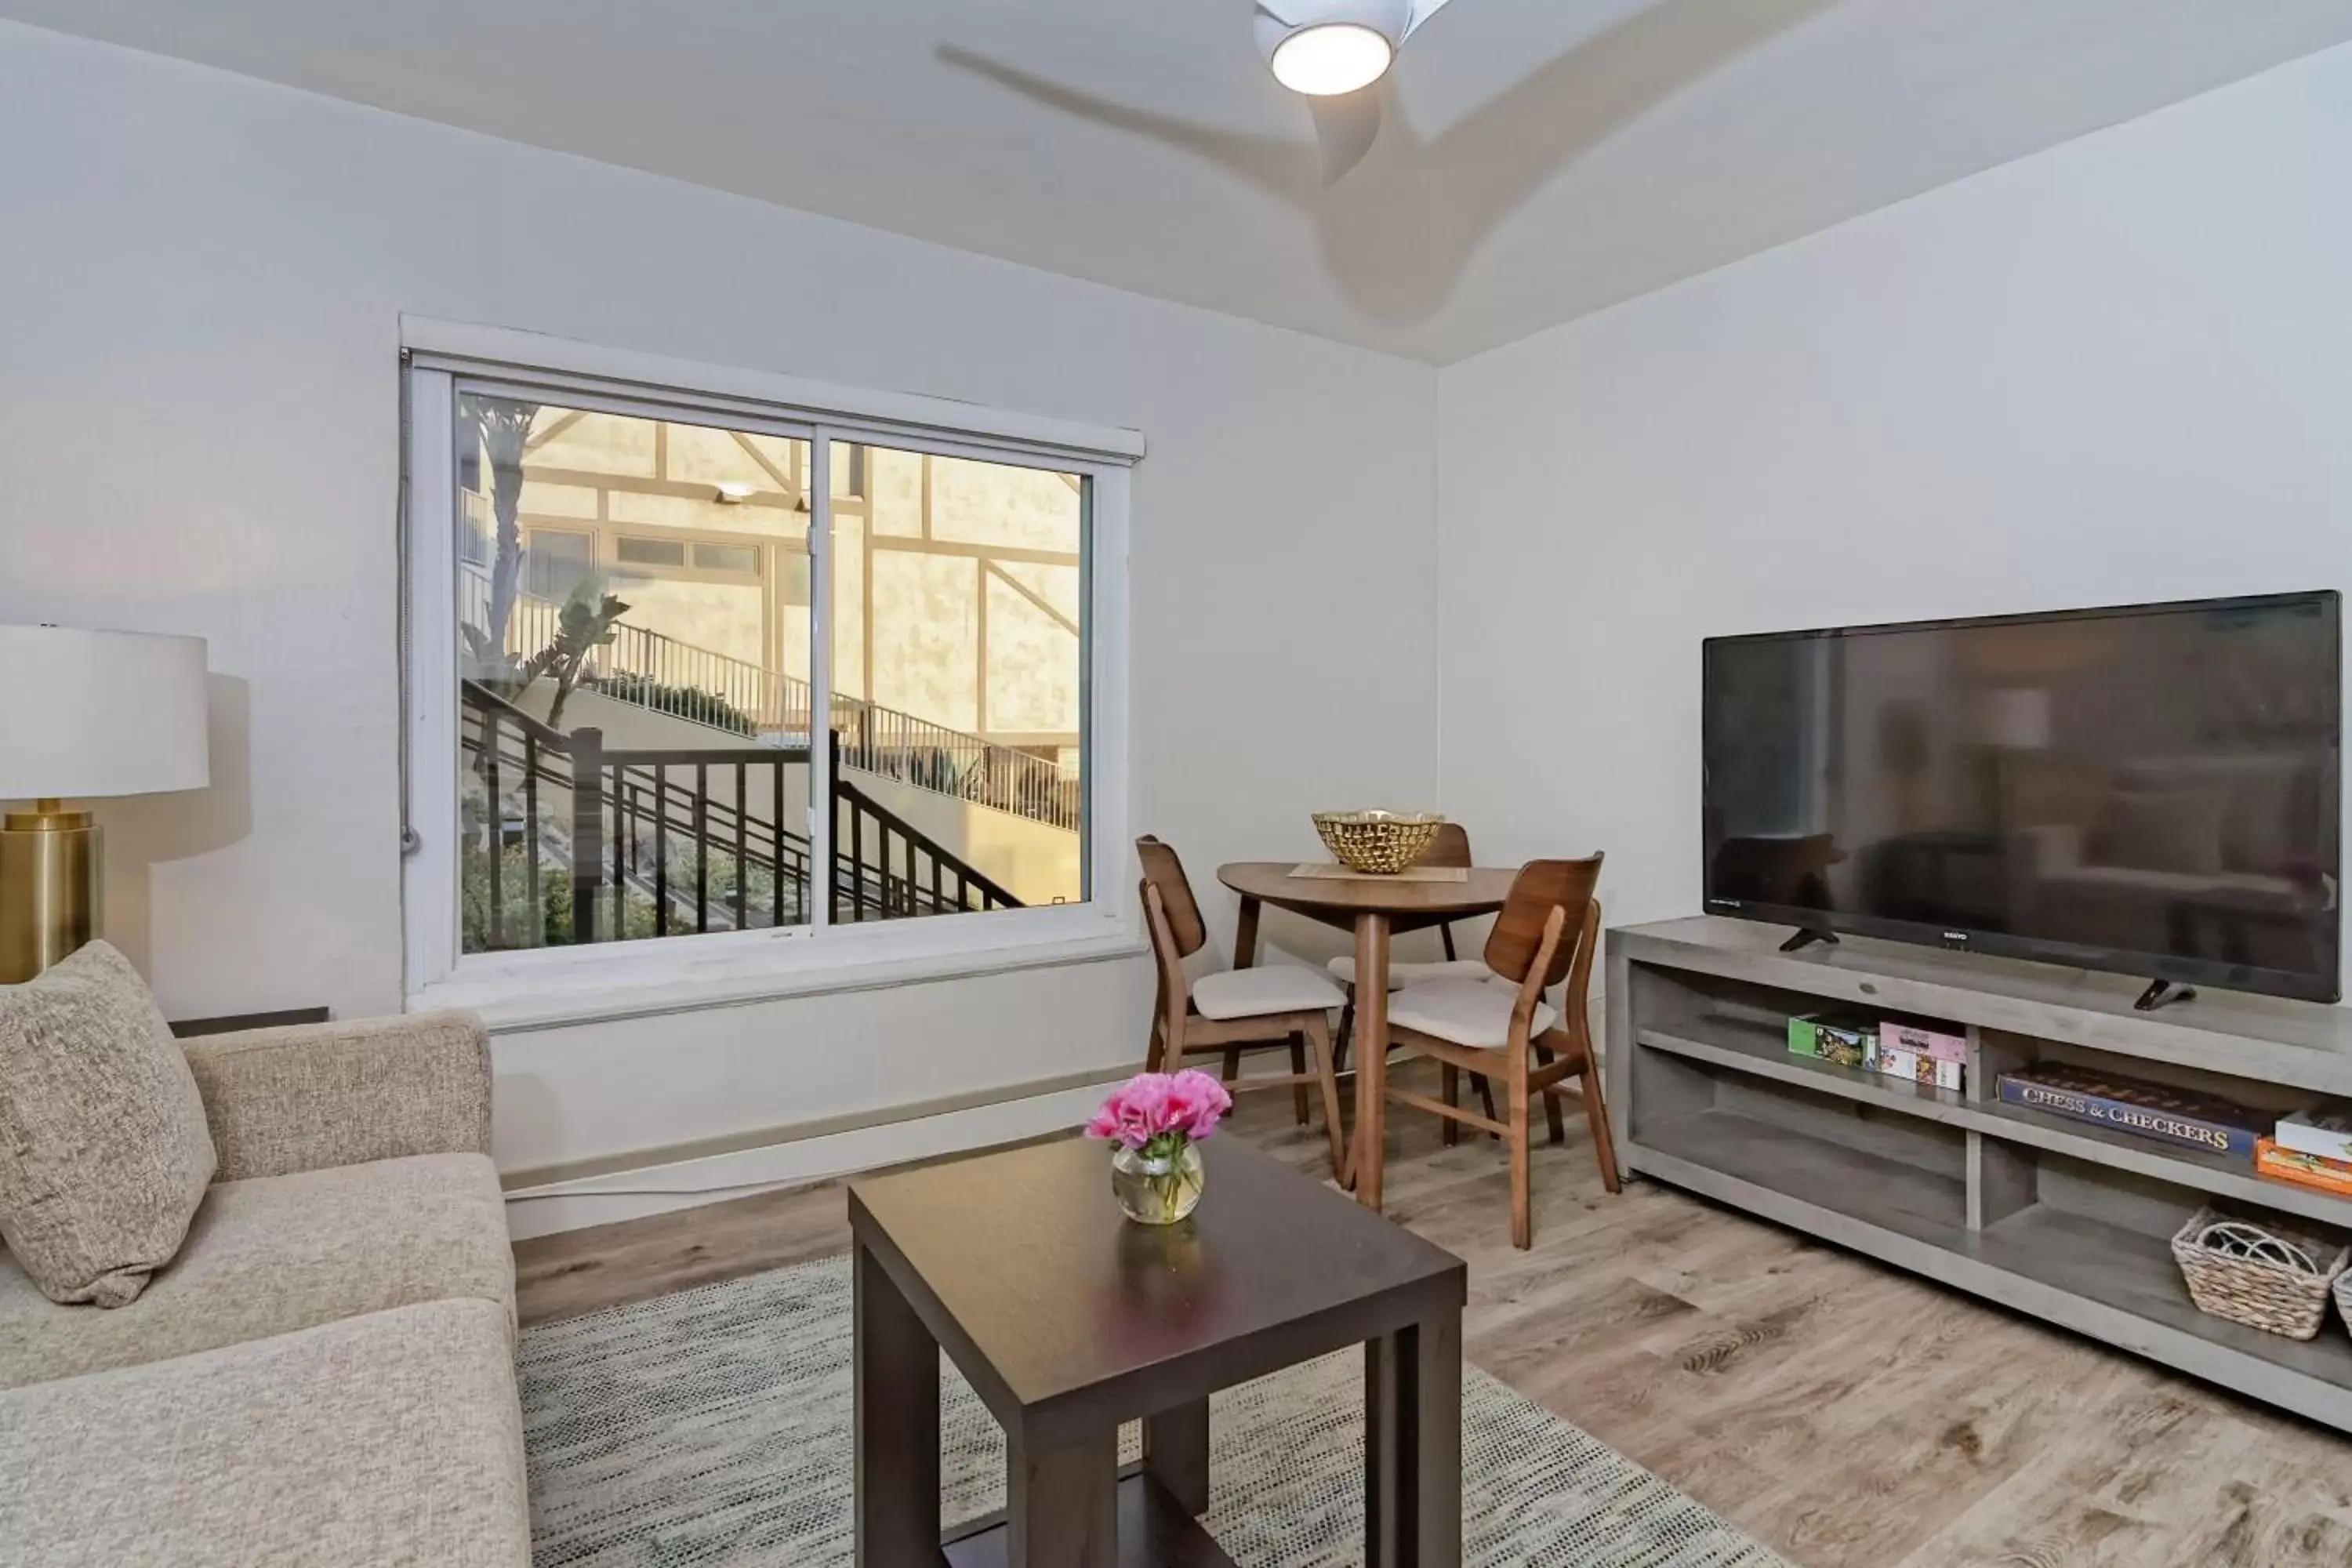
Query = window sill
x=643 y=980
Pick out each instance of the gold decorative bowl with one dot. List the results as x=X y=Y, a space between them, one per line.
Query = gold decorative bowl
x=1381 y=842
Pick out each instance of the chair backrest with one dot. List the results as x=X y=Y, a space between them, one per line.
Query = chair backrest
x=1163 y=871
x=1541 y=887
x=1449 y=847
x=1175 y=997
x=1578 y=994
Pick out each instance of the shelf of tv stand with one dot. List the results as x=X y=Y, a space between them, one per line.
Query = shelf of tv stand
x=2064 y=1220
x=1746 y=1046
x=2099 y=1280
x=1742 y=1046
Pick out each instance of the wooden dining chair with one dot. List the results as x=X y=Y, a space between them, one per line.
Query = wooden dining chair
x=1449 y=847
x=1500 y=1025
x=1231 y=1010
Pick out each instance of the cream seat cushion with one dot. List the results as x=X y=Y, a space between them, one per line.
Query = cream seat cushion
x=104 y=1151
x=280 y=1253
x=1400 y=974
x=1467 y=1012
x=390 y=1438
x=1262 y=989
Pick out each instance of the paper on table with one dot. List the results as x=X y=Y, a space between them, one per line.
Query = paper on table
x=1331 y=870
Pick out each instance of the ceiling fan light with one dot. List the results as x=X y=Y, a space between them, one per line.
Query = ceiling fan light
x=1331 y=57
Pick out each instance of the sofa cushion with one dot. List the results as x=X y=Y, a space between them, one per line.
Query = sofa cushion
x=104 y=1152
x=313 y=1095
x=280 y=1253
x=389 y=1439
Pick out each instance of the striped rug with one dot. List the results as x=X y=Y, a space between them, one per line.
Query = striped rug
x=712 y=1428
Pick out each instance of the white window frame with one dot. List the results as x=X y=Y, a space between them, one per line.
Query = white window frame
x=615 y=979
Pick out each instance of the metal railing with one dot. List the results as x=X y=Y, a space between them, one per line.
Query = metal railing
x=912 y=751
x=897 y=871
x=655 y=670
x=478 y=532
x=646 y=852
x=650 y=848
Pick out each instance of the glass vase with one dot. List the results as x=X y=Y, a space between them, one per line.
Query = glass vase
x=1157 y=1189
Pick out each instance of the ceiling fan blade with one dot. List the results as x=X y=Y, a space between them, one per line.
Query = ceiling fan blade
x=1422 y=10
x=1346 y=128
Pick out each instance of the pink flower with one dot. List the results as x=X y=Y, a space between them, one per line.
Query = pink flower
x=1143 y=1109
x=1152 y=1106
x=1195 y=1102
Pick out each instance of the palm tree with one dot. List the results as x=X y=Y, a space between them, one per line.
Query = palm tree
x=585 y=625
x=503 y=426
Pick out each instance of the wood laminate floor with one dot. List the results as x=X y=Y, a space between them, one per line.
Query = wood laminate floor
x=1847 y=1413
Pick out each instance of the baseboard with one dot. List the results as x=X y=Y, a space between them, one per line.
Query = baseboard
x=660 y=1181
x=650 y=1189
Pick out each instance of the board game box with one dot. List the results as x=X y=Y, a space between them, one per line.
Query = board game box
x=1924 y=1039
x=2304 y=1170
x=2324 y=1131
x=2176 y=1116
x=1833 y=1039
x=1897 y=1061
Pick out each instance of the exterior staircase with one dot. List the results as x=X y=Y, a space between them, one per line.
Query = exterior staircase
x=661 y=673
x=676 y=841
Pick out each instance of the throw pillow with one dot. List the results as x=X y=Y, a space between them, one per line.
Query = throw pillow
x=104 y=1152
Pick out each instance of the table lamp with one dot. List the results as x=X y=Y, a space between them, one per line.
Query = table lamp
x=83 y=713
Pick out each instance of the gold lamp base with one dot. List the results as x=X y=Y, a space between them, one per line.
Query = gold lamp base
x=48 y=888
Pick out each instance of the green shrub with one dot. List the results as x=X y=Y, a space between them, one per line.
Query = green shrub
x=555 y=927
x=680 y=701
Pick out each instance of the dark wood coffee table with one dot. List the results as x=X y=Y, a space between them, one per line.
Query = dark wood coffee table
x=1067 y=1319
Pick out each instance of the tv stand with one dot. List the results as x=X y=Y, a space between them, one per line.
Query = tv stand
x=1806 y=936
x=2063 y=1220
x=2159 y=993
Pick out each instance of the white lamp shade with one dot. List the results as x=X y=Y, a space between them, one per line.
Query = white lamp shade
x=86 y=713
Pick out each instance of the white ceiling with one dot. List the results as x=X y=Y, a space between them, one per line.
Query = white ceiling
x=1540 y=158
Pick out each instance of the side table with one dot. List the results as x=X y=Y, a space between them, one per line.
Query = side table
x=1067 y=1319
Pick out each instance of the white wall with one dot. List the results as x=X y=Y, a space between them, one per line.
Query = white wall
x=198 y=411
x=2117 y=370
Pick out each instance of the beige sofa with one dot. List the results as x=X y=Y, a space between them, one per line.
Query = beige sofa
x=325 y=1372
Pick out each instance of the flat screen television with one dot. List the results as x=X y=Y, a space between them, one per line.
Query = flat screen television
x=2152 y=789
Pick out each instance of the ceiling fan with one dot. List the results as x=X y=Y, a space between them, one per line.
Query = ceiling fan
x=1330 y=51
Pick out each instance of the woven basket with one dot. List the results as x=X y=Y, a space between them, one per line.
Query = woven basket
x=2265 y=1276
x=1381 y=842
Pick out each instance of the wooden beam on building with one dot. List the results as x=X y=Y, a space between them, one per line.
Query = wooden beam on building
x=984 y=552
x=638 y=484
x=750 y=450
x=541 y=437
x=1026 y=592
x=979 y=664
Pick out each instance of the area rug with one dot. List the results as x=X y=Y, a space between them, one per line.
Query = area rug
x=712 y=1428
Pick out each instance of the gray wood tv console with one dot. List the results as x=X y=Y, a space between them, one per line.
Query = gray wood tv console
x=2066 y=1221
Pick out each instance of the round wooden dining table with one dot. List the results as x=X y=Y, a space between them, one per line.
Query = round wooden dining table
x=1374 y=908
